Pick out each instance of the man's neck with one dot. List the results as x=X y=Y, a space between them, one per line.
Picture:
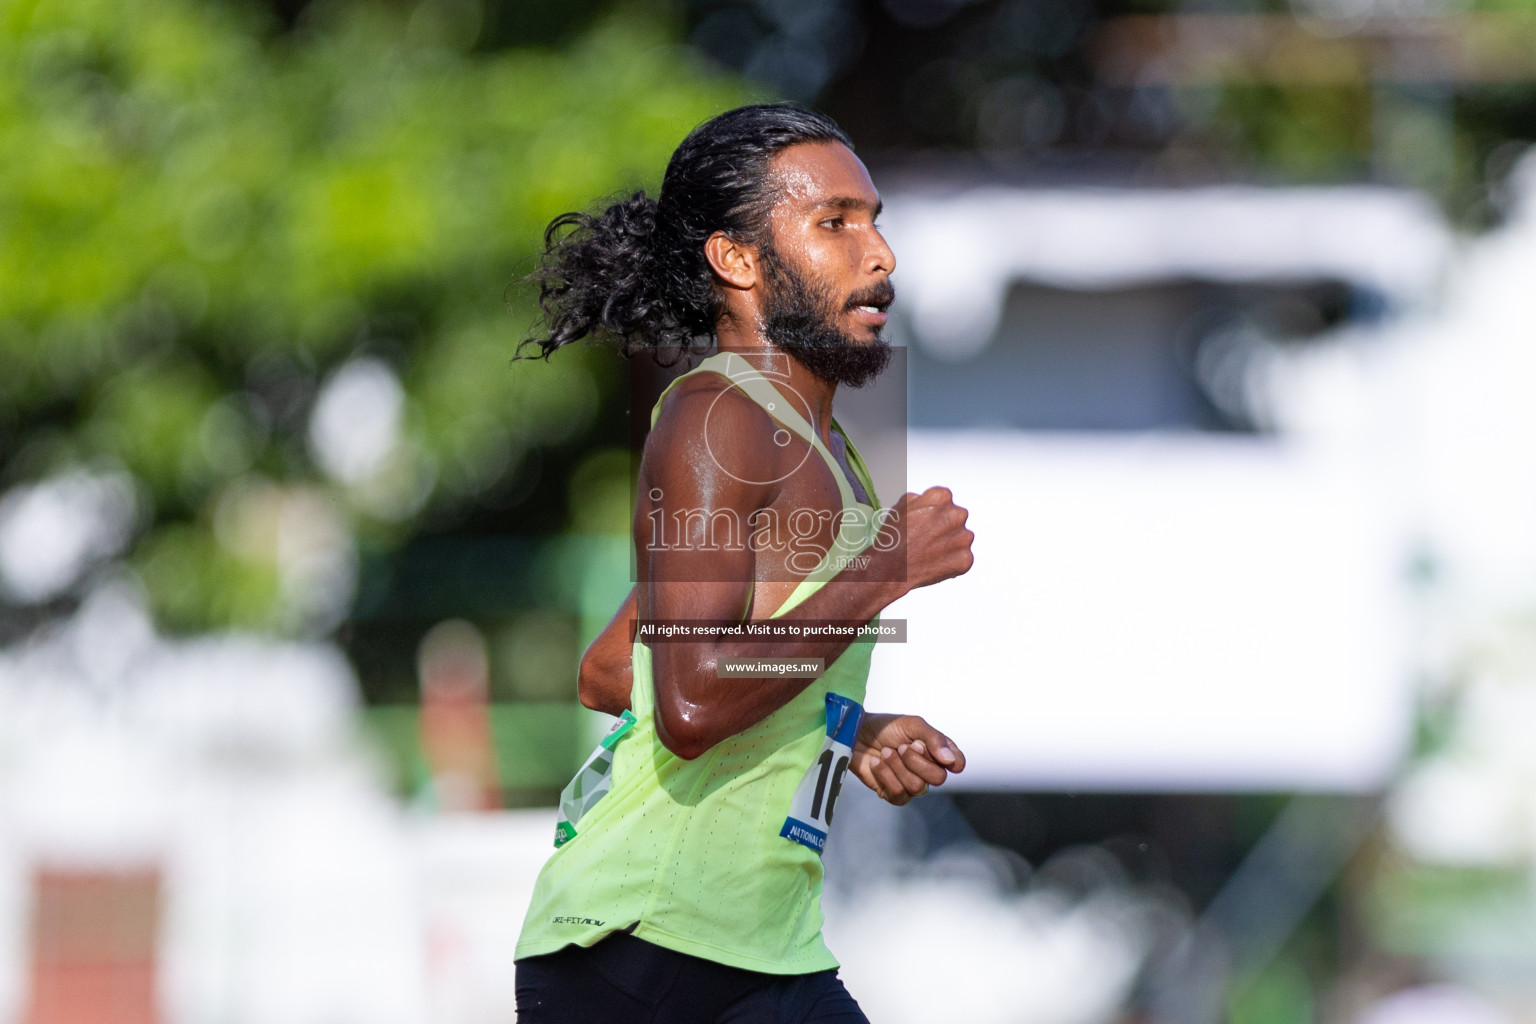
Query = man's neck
x=774 y=363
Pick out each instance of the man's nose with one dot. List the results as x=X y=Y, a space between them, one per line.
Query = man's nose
x=880 y=256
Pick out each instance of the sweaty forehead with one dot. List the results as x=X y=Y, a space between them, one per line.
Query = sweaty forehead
x=813 y=174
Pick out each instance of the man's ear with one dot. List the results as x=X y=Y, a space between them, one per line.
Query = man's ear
x=735 y=263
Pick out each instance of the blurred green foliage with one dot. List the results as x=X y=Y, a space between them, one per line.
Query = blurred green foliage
x=1316 y=133
x=1430 y=911
x=1281 y=994
x=202 y=218
x=534 y=744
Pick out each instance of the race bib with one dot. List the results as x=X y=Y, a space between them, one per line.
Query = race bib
x=810 y=813
x=591 y=783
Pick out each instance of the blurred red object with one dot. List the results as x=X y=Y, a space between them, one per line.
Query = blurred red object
x=93 y=947
x=455 y=718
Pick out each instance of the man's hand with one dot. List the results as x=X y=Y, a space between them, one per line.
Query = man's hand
x=937 y=545
x=900 y=756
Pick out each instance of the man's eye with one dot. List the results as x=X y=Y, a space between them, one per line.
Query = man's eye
x=834 y=222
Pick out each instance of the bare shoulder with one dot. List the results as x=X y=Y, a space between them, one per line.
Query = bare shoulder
x=712 y=447
x=706 y=411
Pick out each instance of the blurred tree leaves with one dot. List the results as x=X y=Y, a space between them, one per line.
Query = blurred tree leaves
x=202 y=219
x=1318 y=133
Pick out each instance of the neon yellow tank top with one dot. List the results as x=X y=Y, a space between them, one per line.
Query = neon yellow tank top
x=689 y=854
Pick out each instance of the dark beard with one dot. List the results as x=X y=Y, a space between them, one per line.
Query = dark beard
x=802 y=320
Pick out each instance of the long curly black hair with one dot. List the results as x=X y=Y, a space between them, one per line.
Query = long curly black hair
x=637 y=271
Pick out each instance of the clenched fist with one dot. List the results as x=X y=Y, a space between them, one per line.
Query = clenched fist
x=933 y=536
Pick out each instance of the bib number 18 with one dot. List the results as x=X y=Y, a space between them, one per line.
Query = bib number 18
x=810 y=813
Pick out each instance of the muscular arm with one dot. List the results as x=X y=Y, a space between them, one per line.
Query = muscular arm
x=695 y=709
x=898 y=756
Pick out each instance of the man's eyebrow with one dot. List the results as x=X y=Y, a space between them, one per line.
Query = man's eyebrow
x=851 y=203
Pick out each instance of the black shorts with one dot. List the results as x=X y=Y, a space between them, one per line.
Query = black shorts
x=623 y=979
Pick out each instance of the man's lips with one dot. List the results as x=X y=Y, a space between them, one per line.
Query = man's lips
x=869 y=306
x=869 y=315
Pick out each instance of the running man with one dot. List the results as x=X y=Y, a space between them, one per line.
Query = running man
x=686 y=886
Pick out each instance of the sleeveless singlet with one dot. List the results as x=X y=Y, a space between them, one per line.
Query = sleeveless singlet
x=689 y=855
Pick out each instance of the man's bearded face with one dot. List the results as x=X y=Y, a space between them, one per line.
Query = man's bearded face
x=803 y=320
